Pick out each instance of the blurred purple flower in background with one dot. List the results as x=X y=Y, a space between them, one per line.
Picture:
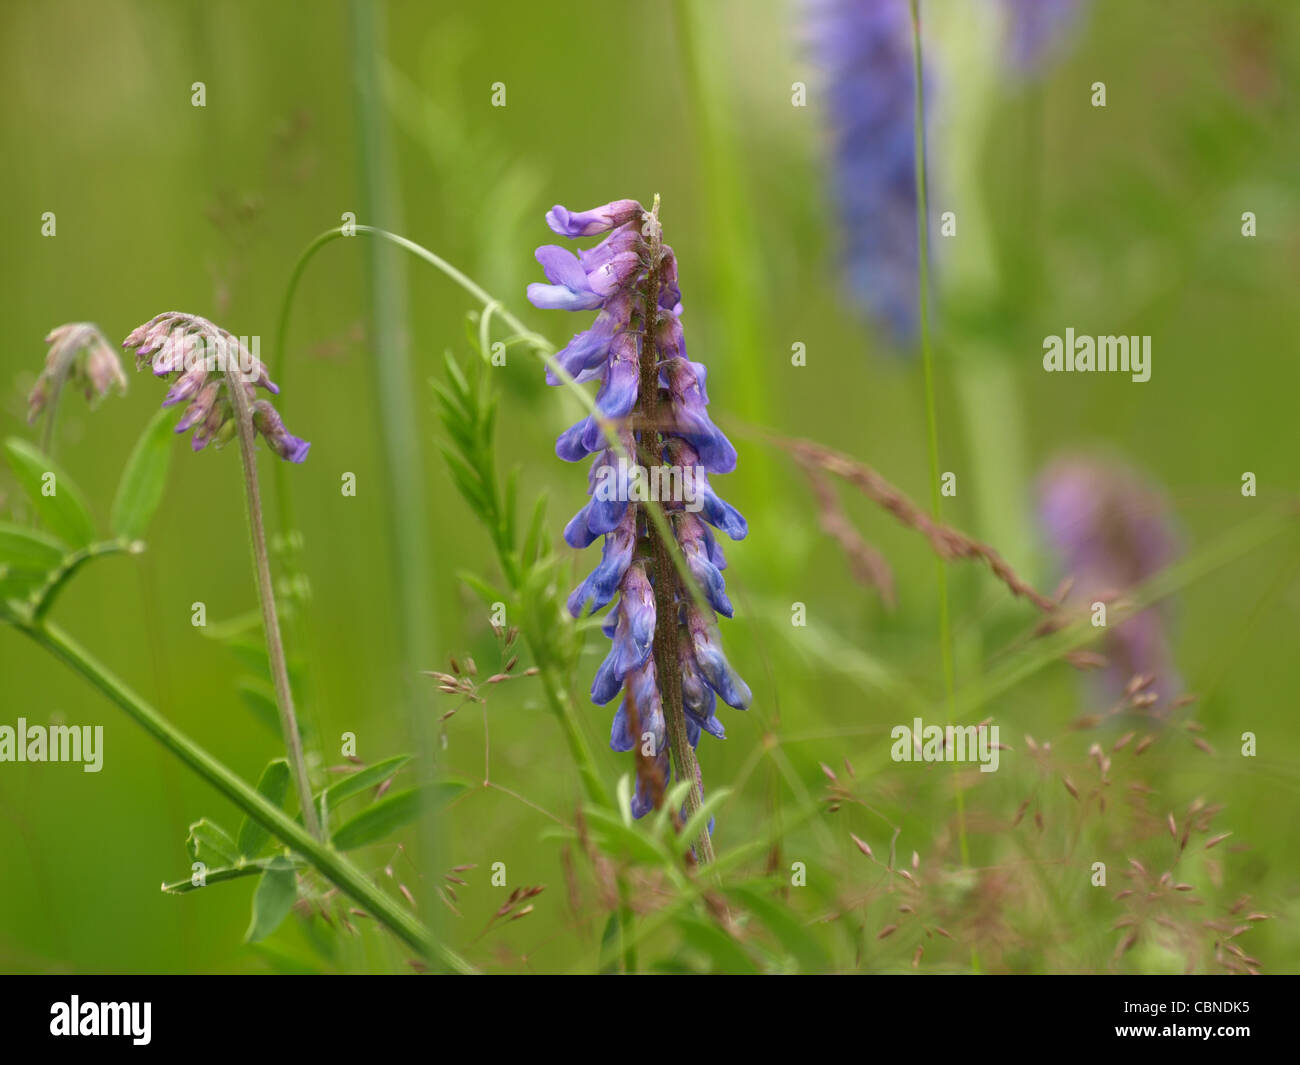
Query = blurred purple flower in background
x=631 y=279
x=864 y=48
x=1111 y=531
x=1036 y=29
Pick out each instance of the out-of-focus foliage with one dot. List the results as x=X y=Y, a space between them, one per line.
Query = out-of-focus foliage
x=832 y=856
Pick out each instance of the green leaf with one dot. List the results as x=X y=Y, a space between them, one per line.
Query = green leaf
x=141 y=488
x=28 y=550
x=725 y=953
x=609 y=946
x=273 y=786
x=468 y=482
x=698 y=822
x=511 y=498
x=487 y=592
x=248 y=624
x=370 y=777
x=64 y=511
x=69 y=568
x=273 y=899
x=259 y=697
x=793 y=935
x=533 y=542
x=449 y=788
x=458 y=381
x=208 y=842
x=216 y=876
x=616 y=836
x=623 y=791
x=379 y=819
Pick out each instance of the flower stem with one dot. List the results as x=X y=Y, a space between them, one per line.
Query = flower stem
x=666 y=638
x=932 y=421
x=51 y=412
x=331 y=864
x=266 y=593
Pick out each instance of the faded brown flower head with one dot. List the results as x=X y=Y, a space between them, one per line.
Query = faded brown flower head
x=207 y=362
x=81 y=356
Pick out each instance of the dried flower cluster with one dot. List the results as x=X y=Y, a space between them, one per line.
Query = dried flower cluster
x=204 y=357
x=79 y=356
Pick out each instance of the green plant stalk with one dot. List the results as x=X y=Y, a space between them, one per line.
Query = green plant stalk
x=331 y=864
x=736 y=253
x=580 y=750
x=266 y=594
x=51 y=413
x=387 y=283
x=931 y=419
x=666 y=637
x=405 y=486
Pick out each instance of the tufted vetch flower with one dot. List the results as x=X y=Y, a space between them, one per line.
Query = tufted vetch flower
x=665 y=665
x=1112 y=532
x=865 y=52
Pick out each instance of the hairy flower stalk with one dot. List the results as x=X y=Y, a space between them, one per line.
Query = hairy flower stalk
x=1112 y=532
x=665 y=659
x=217 y=376
x=80 y=356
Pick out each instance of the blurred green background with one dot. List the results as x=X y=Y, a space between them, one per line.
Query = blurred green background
x=1117 y=220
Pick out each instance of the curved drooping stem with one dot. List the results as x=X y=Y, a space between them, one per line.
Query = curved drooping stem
x=331 y=864
x=931 y=419
x=51 y=412
x=266 y=593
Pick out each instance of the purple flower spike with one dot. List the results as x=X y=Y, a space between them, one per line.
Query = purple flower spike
x=1111 y=532
x=864 y=48
x=631 y=277
x=209 y=362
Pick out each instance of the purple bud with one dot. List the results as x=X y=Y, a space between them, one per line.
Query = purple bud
x=599 y=219
x=601 y=584
x=714 y=666
x=633 y=635
x=690 y=534
x=266 y=420
x=692 y=421
x=186 y=385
